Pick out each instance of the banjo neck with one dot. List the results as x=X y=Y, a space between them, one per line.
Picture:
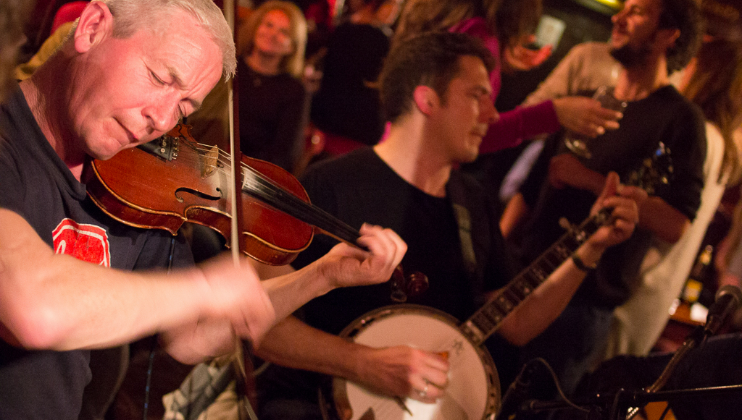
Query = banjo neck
x=653 y=171
x=490 y=316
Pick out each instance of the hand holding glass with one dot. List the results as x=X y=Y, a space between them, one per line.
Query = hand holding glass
x=577 y=143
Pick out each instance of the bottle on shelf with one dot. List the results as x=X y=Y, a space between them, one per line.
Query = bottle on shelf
x=694 y=285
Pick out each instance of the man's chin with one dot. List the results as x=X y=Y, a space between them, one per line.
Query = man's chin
x=616 y=44
x=630 y=57
x=105 y=153
x=471 y=157
x=102 y=156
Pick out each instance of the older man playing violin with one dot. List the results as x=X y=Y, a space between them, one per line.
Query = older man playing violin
x=128 y=73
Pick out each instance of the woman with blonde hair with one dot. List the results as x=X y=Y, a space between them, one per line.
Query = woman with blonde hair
x=272 y=100
x=714 y=83
x=717 y=89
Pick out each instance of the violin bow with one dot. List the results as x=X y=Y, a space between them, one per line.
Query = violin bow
x=243 y=376
x=230 y=13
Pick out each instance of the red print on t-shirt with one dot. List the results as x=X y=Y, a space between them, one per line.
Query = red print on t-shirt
x=84 y=242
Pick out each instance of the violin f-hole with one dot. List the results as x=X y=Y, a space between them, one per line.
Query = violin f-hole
x=196 y=193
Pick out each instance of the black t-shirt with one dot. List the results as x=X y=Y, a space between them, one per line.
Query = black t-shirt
x=272 y=116
x=360 y=187
x=37 y=185
x=662 y=116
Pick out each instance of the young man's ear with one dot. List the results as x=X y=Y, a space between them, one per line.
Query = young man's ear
x=425 y=99
x=95 y=24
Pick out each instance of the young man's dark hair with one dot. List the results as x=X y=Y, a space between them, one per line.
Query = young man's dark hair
x=430 y=59
x=684 y=15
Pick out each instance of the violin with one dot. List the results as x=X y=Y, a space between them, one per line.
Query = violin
x=186 y=181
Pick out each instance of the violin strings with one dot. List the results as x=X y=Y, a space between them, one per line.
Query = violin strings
x=324 y=219
x=281 y=199
x=294 y=204
x=277 y=196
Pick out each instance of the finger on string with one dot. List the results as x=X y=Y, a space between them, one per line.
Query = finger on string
x=376 y=239
x=387 y=235
x=352 y=251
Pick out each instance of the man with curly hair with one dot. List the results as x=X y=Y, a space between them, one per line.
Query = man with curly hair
x=650 y=40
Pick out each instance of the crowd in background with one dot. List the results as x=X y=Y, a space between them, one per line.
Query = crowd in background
x=307 y=90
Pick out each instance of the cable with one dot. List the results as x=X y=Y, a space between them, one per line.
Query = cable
x=524 y=380
x=559 y=388
x=147 y=386
x=170 y=257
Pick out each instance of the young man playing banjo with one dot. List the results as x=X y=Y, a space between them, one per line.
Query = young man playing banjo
x=435 y=90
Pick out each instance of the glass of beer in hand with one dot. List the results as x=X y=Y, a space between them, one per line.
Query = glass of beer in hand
x=577 y=143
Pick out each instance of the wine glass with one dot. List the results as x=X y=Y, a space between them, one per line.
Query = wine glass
x=577 y=143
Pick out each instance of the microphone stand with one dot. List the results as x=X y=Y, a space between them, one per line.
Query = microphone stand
x=728 y=298
x=625 y=404
x=699 y=335
x=614 y=406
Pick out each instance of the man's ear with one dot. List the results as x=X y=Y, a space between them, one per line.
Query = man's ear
x=425 y=99
x=667 y=37
x=95 y=24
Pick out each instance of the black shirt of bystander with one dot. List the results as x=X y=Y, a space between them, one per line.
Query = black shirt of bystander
x=272 y=116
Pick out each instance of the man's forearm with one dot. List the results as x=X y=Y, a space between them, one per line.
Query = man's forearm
x=291 y=291
x=56 y=302
x=662 y=219
x=545 y=304
x=295 y=344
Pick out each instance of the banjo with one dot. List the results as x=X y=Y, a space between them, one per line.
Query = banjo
x=473 y=392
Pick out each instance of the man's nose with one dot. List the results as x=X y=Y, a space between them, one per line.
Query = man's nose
x=489 y=112
x=161 y=116
x=618 y=16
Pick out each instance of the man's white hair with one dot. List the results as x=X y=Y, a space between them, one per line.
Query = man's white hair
x=131 y=15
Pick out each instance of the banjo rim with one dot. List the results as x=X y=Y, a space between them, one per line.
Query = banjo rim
x=492 y=405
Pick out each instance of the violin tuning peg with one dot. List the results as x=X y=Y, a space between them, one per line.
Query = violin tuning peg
x=417 y=283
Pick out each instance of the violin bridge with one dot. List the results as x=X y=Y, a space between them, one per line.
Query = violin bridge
x=210 y=160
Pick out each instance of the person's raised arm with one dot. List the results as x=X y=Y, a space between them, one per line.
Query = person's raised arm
x=662 y=219
x=656 y=215
x=540 y=309
x=585 y=116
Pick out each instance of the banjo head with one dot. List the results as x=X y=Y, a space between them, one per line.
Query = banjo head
x=473 y=390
